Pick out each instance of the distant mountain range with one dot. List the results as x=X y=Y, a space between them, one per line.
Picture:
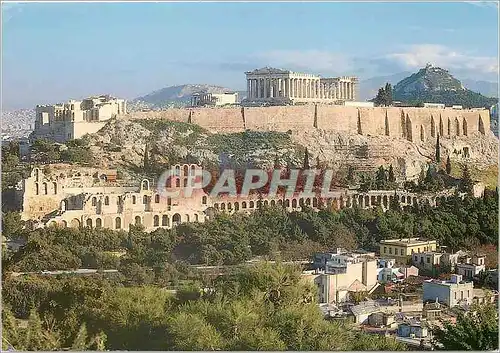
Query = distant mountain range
x=178 y=96
x=368 y=88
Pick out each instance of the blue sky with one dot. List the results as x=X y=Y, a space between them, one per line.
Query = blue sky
x=52 y=52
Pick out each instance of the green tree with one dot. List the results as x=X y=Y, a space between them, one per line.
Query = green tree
x=438 y=150
x=392 y=177
x=475 y=330
x=466 y=182
x=448 y=165
x=306 y=164
x=80 y=341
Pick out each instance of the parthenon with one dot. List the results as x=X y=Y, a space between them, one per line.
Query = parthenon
x=270 y=84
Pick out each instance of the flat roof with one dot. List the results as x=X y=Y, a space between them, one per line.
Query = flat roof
x=407 y=241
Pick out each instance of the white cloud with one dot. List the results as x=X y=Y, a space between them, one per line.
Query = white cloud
x=316 y=61
x=417 y=56
x=490 y=4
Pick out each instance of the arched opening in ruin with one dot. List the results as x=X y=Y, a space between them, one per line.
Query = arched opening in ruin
x=223 y=206
x=301 y=202
x=273 y=203
x=287 y=203
x=137 y=220
x=266 y=203
x=480 y=125
x=422 y=135
x=145 y=184
x=379 y=200
x=54 y=185
x=98 y=223
x=367 y=201
x=45 y=189
x=440 y=125
x=449 y=127
x=243 y=205
x=415 y=201
x=75 y=223
x=164 y=220
x=196 y=219
x=177 y=170
x=294 y=203
x=457 y=127
x=177 y=183
x=308 y=202
x=315 y=202
x=280 y=202
x=156 y=221
x=433 y=127
x=373 y=201
x=37 y=173
x=385 y=201
x=236 y=206
x=185 y=170
x=387 y=132
x=187 y=218
x=185 y=182
x=464 y=126
x=118 y=223
x=193 y=169
x=89 y=222
x=176 y=219
x=360 y=200
x=252 y=204
x=229 y=206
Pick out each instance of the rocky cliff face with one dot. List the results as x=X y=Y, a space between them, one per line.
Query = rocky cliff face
x=122 y=143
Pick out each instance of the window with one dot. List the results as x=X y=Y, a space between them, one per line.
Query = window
x=164 y=220
x=402 y=252
x=156 y=221
x=106 y=201
x=98 y=223
x=118 y=223
x=385 y=250
x=390 y=250
x=157 y=198
x=134 y=199
x=428 y=260
x=145 y=200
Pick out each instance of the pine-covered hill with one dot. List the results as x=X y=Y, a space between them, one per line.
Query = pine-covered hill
x=436 y=85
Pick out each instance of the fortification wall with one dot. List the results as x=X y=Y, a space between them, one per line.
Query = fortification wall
x=413 y=124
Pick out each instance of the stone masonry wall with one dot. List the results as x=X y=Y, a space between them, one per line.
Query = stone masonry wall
x=413 y=124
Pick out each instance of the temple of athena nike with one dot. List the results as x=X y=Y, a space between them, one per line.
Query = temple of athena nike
x=274 y=85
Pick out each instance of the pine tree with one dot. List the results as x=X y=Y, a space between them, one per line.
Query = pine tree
x=306 y=160
x=438 y=151
x=448 y=166
x=466 y=184
x=388 y=94
x=392 y=178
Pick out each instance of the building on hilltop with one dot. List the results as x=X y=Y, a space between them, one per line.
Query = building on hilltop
x=283 y=86
x=214 y=99
x=73 y=119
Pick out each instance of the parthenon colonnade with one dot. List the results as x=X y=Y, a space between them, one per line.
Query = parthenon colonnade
x=269 y=83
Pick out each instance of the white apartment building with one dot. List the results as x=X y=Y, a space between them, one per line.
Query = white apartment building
x=73 y=119
x=452 y=293
x=214 y=99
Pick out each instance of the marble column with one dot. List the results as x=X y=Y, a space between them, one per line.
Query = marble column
x=249 y=92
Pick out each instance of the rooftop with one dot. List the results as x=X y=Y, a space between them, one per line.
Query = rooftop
x=407 y=241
